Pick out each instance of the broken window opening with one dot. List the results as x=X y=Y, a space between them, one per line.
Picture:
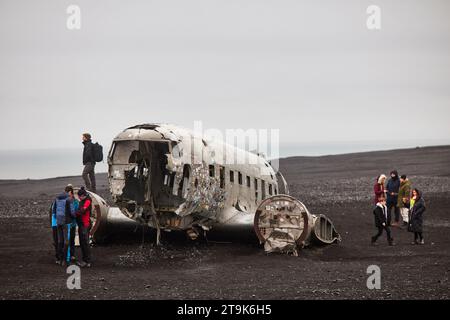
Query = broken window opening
x=263 y=189
x=270 y=189
x=171 y=181
x=183 y=187
x=121 y=151
x=239 y=177
x=248 y=181
x=147 y=183
x=222 y=176
x=111 y=152
x=231 y=176
x=211 y=170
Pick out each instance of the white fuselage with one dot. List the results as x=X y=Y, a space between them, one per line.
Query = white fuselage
x=166 y=177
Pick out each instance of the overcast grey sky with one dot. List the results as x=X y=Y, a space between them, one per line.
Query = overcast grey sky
x=310 y=68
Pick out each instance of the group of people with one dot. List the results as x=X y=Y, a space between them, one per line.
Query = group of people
x=409 y=204
x=70 y=213
x=67 y=214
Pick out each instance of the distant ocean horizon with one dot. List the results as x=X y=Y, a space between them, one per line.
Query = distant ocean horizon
x=51 y=163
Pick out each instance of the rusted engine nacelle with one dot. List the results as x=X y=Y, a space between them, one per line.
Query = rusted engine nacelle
x=284 y=224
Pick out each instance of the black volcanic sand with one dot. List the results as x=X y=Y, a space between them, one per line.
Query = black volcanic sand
x=338 y=186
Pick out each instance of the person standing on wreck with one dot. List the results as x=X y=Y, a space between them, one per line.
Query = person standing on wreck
x=89 y=163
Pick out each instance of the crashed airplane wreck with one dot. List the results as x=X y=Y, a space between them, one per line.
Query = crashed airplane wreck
x=164 y=177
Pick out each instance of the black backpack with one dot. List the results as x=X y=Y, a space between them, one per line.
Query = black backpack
x=97 y=150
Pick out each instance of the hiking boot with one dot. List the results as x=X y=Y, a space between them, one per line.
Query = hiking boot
x=58 y=262
x=83 y=264
x=373 y=241
x=414 y=242
x=422 y=242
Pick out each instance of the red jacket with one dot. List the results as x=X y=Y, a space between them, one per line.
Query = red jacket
x=378 y=189
x=84 y=212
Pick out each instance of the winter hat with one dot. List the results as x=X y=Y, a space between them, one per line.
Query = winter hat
x=82 y=192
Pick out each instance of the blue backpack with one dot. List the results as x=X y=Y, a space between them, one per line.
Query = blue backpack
x=60 y=211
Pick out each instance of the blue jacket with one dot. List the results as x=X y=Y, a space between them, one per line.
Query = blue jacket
x=74 y=204
x=63 y=197
x=53 y=215
x=393 y=185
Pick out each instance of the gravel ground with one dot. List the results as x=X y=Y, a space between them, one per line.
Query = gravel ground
x=338 y=186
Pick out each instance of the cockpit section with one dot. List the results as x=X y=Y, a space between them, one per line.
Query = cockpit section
x=140 y=181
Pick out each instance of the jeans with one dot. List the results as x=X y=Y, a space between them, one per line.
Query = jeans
x=83 y=234
x=63 y=242
x=396 y=212
x=65 y=249
x=89 y=177
x=380 y=231
x=71 y=247
x=55 y=241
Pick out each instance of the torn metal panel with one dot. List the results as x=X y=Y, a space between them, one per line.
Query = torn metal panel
x=324 y=231
x=204 y=194
x=284 y=224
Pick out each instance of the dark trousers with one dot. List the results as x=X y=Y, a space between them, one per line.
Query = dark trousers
x=380 y=231
x=71 y=247
x=89 y=177
x=63 y=242
x=396 y=211
x=418 y=236
x=83 y=234
x=55 y=241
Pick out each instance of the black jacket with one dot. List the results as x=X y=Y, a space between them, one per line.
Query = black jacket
x=416 y=216
x=88 y=152
x=381 y=216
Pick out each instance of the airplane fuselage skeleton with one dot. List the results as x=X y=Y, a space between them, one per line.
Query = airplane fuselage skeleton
x=167 y=178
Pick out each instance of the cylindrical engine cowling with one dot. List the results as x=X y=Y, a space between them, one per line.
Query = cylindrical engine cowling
x=283 y=223
x=109 y=221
